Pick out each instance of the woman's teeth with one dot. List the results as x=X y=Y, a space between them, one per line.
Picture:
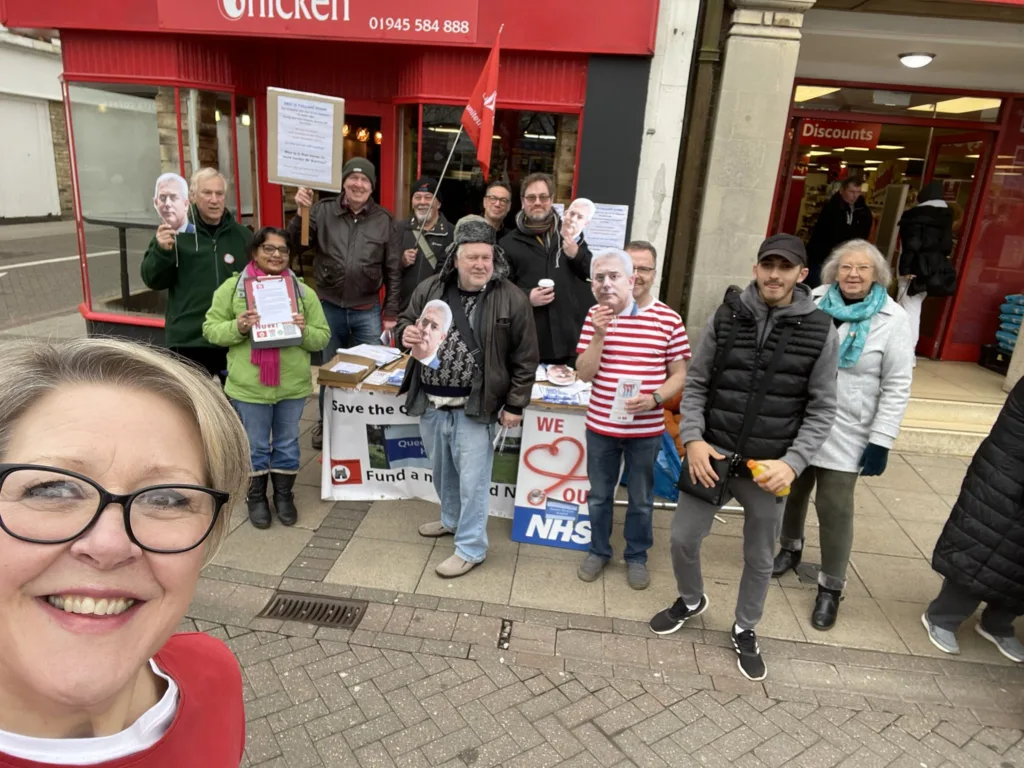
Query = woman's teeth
x=101 y=607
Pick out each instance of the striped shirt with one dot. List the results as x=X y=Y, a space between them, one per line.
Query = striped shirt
x=637 y=346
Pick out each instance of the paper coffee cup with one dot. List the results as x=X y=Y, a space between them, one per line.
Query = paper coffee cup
x=546 y=283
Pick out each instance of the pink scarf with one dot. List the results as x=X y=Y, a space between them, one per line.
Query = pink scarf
x=267 y=360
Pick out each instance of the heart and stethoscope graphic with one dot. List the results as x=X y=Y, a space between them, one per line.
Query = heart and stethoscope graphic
x=536 y=497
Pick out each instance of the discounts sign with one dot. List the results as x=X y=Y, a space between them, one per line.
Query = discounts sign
x=838 y=133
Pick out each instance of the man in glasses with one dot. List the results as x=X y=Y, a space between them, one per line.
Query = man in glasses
x=425 y=236
x=551 y=268
x=497 y=203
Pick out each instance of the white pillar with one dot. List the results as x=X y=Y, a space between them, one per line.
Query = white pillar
x=663 y=124
x=750 y=126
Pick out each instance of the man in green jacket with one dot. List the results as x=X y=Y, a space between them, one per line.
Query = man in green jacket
x=190 y=267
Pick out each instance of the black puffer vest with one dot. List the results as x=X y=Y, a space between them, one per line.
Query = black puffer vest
x=982 y=545
x=741 y=369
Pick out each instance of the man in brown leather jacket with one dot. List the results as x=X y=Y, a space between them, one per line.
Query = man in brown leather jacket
x=357 y=253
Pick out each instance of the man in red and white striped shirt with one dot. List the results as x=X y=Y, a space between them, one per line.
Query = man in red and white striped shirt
x=634 y=349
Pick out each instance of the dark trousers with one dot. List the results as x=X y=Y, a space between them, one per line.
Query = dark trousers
x=954 y=604
x=214 y=360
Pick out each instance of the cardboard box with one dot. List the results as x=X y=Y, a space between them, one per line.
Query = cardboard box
x=395 y=365
x=329 y=377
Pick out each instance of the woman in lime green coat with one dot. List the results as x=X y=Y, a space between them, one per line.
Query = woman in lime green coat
x=268 y=387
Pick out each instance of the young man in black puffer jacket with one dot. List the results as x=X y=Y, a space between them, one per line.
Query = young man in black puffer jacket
x=981 y=550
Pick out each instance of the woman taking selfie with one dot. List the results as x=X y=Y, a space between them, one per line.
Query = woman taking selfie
x=117 y=468
x=268 y=387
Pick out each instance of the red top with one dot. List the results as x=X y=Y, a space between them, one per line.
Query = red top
x=636 y=347
x=208 y=729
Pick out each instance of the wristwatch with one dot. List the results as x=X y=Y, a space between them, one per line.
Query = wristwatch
x=658 y=399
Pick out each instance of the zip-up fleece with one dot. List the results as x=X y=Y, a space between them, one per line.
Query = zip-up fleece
x=192 y=275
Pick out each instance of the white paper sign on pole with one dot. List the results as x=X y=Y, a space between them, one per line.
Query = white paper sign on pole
x=304 y=141
x=608 y=227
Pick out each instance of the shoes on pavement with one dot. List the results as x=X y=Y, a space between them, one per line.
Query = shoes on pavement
x=256 y=501
x=786 y=559
x=826 y=608
x=318 y=436
x=435 y=530
x=454 y=567
x=1010 y=646
x=284 y=498
x=637 y=576
x=591 y=567
x=673 y=618
x=749 y=660
x=941 y=638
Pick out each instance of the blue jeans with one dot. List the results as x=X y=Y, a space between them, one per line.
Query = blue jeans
x=461 y=453
x=604 y=457
x=362 y=325
x=273 y=432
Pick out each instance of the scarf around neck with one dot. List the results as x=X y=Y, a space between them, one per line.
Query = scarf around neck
x=858 y=315
x=267 y=360
x=546 y=229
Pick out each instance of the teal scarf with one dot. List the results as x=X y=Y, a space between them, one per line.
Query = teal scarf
x=858 y=314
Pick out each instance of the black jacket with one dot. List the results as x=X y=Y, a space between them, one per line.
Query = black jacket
x=438 y=238
x=926 y=233
x=560 y=322
x=836 y=225
x=506 y=335
x=982 y=545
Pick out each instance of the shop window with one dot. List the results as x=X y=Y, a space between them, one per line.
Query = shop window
x=242 y=198
x=408 y=162
x=949 y=106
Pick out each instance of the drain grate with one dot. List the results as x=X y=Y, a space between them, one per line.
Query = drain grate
x=315 y=609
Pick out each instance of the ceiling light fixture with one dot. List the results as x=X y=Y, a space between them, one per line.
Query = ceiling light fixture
x=972 y=157
x=246 y=120
x=912 y=159
x=819 y=153
x=916 y=60
x=858 y=149
x=810 y=92
x=540 y=136
x=959 y=106
x=890 y=146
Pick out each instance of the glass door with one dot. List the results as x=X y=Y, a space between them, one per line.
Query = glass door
x=954 y=161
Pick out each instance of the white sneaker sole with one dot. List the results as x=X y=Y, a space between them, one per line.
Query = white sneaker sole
x=744 y=673
x=682 y=623
x=992 y=639
x=928 y=631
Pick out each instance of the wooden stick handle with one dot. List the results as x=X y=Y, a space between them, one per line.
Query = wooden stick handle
x=304 y=212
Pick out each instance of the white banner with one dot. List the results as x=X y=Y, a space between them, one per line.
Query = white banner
x=373 y=450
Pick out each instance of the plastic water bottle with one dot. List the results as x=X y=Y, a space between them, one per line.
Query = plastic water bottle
x=757 y=469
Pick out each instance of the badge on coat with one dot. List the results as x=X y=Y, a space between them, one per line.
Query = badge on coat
x=229 y=259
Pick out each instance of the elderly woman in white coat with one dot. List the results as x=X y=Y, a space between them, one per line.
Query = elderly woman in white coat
x=876 y=360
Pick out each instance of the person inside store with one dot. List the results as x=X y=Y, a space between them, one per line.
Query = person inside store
x=425 y=236
x=268 y=387
x=627 y=330
x=926 y=237
x=358 y=252
x=779 y=425
x=487 y=366
x=844 y=217
x=980 y=552
x=190 y=267
x=108 y=512
x=537 y=251
x=876 y=362
x=497 y=203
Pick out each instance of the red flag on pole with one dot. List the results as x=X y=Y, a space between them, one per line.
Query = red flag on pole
x=478 y=117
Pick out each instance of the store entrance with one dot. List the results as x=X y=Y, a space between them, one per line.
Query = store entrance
x=894 y=161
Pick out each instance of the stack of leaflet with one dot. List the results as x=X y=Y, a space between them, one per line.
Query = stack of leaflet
x=1011 y=316
x=577 y=393
x=379 y=354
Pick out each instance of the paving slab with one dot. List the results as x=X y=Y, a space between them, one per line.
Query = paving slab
x=269 y=551
x=380 y=564
x=860 y=624
x=491 y=581
x=553 y=585
x=897 y=578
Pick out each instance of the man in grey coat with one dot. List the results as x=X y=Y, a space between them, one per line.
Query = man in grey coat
x=761 y=386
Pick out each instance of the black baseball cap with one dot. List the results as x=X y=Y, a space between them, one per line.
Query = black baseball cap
x=425 y=184
x=789 y=247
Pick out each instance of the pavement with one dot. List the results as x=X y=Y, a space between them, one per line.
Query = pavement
x=427 y=678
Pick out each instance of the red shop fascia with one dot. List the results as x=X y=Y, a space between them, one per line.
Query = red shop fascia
x=377 y=54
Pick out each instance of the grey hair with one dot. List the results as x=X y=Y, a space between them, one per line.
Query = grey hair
x=163 y=178
x=204 y=174
x=33 y=368
x=445 y=310
x=612 y=253
x=587 y=203
x=883 y=272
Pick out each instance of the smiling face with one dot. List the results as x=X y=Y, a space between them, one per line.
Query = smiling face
x=171 y=204
x=856 y=274
x=272 y=255
x=475 y=263
x=776 y=278
x=210 y=199
x=357 y=190
x=124 y=440
x=496 y=204
x=424 y=206
x=644 y=272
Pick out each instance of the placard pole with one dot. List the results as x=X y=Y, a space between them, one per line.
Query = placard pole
x=304 y=213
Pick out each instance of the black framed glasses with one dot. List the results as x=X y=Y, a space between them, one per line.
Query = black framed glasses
x=48 y=505
x=498 y=200
x=270 y=250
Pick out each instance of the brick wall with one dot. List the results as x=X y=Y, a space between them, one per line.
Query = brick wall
x=61 y=158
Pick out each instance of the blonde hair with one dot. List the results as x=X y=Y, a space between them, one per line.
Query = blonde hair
x=883 y=272
x=33 y=368
x=205 y=174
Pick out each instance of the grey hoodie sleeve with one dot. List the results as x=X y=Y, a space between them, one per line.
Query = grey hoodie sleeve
x=695 y=393
x=821 y=407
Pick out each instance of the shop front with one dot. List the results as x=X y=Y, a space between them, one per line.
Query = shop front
x=155 y=86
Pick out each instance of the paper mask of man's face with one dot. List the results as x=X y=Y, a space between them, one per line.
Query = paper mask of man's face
x=171 y=201
x=577 y=218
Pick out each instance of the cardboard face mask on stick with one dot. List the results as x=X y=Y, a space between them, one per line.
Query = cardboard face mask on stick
x=433 y=324
x=170 y=200
x=577 y=218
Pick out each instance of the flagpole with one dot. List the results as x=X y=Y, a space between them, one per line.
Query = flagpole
x=444 y=171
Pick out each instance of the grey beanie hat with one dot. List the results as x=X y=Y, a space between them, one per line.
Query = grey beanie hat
x=474 y=229
x=359 y=165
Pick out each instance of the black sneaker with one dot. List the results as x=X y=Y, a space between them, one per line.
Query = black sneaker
x=750 y=662
x=672 y=619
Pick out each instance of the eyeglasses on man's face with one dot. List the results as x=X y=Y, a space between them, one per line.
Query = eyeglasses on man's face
x=48 y=505
x=644 y=270
x=495 y=200
x=537 y=198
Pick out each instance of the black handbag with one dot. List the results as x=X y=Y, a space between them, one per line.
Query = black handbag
x=733 y=465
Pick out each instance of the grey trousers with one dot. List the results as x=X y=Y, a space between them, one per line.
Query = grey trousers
x=834 y=502
x=762 y=518
x=954 y=604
